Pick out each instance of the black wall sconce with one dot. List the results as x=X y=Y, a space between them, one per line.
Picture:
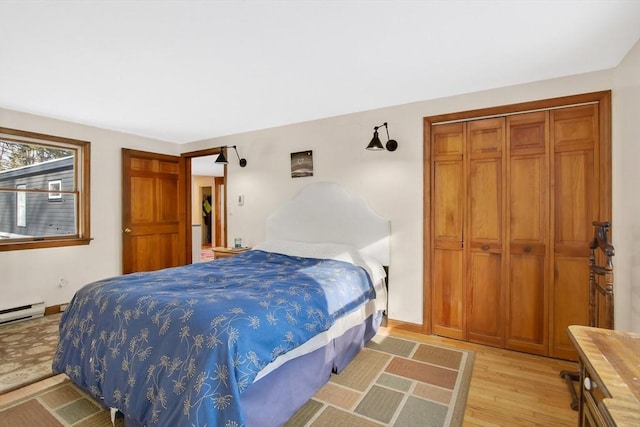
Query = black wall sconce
x=375 y=143
x=223 y=159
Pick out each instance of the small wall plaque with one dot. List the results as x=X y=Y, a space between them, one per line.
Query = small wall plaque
x=302 y=164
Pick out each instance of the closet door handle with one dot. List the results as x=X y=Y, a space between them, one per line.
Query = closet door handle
x=485 y=247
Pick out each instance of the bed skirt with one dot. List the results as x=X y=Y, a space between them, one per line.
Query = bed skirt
x=273 y=399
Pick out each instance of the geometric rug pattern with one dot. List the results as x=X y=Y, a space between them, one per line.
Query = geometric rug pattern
x=62 y=405
x=393 y=382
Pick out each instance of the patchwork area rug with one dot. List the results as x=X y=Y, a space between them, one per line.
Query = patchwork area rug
x=394 y=382
x=391 y=382
x=26 y=351
x=57 y=406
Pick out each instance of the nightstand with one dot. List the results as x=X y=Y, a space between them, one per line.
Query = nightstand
x=220 y=252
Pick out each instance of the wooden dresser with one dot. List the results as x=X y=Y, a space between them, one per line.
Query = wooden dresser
x=609 y=376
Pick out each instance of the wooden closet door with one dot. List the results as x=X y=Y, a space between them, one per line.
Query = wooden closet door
x=528 y=232
x=576 y=199
x=508 y=263
x=484 y=232
x=448 y=189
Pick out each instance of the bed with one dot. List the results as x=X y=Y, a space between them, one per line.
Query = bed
x=244 y=340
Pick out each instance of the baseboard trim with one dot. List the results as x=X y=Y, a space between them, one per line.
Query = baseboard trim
x=53 y=309
x=405 y=326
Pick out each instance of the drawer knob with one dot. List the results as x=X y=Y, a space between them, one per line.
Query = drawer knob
x=485 y=247
x=527 y=249
x=588 y=384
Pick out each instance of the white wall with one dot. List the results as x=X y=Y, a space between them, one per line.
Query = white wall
x=626 y=196
x=30 y=275
x=391 y=182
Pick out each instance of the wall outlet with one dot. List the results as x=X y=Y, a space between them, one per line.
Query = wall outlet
x=62 y=282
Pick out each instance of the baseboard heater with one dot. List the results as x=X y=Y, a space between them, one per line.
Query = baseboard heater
x=24 y=312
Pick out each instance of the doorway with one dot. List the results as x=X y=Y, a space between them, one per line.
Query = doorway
x=206 y=203
x=158 y=216
x=208 y=234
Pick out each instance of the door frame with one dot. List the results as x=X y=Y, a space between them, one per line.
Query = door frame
x=603 y=98
x=188 y=195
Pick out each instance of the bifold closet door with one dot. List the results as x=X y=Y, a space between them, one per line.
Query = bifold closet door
x=512 y=199
x=484 y=236
x=528 y=232
x=448 y=190
x=576 y=199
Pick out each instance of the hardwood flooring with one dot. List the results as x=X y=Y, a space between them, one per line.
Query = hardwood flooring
x=28 y=390
x=509 y=388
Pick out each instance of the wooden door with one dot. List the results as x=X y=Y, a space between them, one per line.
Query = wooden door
x=448 y=297
x=528 y=232
x=484 y=232
x=576 y=201
x=525 y=244
x=153 y=211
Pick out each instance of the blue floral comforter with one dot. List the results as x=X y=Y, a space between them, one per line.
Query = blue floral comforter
x=179 y=346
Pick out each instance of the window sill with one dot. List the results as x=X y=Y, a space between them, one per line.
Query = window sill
x=39 y=244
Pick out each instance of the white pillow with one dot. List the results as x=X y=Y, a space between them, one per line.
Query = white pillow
x=377 y=272
x=337 y=251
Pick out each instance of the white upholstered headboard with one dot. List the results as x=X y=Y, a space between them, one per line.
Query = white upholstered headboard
x=324 y=212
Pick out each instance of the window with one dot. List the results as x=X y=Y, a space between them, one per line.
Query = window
x=36 y=170
x=55 y=185
x=21 y=206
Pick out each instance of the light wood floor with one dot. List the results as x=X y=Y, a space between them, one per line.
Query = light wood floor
x=25 y=391
x=507 y=388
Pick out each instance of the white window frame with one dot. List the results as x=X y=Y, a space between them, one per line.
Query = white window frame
x=21 y=206
x=54 y=185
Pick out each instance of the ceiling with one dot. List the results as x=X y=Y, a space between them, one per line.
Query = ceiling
x=182 y=71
